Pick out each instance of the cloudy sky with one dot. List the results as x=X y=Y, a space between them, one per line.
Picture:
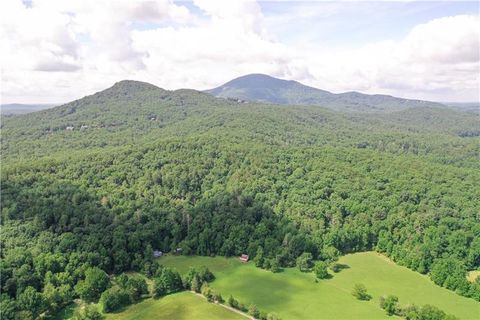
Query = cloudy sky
x=60 y=50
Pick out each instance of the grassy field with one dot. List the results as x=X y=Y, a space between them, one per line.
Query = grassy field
x=179 y=306
x=295 y=295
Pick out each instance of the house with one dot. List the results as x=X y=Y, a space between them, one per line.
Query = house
x=244 y=258
x=83 y=127
x=157 y=253
x=69 y=128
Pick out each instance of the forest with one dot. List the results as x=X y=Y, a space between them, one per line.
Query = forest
x=159 y=170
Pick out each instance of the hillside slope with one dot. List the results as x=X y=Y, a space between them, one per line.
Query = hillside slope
x=264 y=88
x=132 y=112
x=105 y=180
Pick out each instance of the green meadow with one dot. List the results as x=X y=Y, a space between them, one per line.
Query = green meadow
x=179 y=306
x=295 y=295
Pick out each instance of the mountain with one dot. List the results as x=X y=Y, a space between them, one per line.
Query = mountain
x=133 y=112
x=104 y=181
x=264 y=88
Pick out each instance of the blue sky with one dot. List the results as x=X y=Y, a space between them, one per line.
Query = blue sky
x=57 y=50
x=349 y=24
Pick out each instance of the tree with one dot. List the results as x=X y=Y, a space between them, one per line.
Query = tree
x=259 y=259
x=330 y=254
x=168 y=281
x=96 y=281
x=31 y=300
x=360 y=292
x=389 y=304
x=7 y=307
x=89 y=312
x=272 y=316
x=449 y=272
x=304 y=261
x=206 y=291
x=205 y=274
x=136 y=287
x=195 y=285
x=232 y=302
x=52 y=298
x=274 y=266
x=113 y=299
x=320 y=270
x=253 y=311
x=122 y=280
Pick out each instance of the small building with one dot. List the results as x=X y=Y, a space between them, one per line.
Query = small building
x=157 y=253
x=244 y=258
x=69 y=128
x=83 y=127
x=178 y=251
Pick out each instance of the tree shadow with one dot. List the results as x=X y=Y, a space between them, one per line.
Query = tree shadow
x=337 y=267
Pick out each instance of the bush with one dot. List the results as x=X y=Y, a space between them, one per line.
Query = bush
x=90 y=312
x=320 y=270
x=167 y=281
x=232 y=302
x=389 y=304
x=96 y=281
x=304 y=262
x=253 y=311
x=113 y=299
x=360 y=292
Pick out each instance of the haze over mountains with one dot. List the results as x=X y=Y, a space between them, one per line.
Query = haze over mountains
x=18 y=108
x=264 y=88
x=267 y=89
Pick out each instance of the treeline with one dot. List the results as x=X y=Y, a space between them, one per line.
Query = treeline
x=391 y=305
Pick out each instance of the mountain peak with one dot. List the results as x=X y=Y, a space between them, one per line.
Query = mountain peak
x=133 y=85
x=265 y=88
x=259 y=79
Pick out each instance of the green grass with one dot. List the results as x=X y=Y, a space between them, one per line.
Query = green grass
x=179 y=306
x=295 y=295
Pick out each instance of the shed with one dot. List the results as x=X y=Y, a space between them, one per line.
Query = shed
x=157 y=253
x=244 y=258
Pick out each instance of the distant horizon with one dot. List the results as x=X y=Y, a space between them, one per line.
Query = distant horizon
x=55 y=104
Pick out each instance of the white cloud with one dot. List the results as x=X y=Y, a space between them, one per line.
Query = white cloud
x=58 y=50
x=438 y=60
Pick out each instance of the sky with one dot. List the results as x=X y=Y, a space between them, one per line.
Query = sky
x=55 y=51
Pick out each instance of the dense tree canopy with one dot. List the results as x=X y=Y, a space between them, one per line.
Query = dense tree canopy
x=158 y=170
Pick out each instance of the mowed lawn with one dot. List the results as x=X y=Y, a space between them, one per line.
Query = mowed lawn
x=179 y=306
x=295 y=295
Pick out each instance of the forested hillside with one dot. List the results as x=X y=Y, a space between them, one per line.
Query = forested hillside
x=105 y=180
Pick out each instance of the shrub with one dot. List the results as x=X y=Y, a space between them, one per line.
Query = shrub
x=113 y=299
x=360 y=292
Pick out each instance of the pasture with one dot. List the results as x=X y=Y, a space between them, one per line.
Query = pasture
x=178 y=306
x=295 y=295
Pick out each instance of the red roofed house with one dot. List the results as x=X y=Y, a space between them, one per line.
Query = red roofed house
x=244 y=258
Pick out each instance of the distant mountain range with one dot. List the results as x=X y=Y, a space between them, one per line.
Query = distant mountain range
x=132 y=112
x=267 y=89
